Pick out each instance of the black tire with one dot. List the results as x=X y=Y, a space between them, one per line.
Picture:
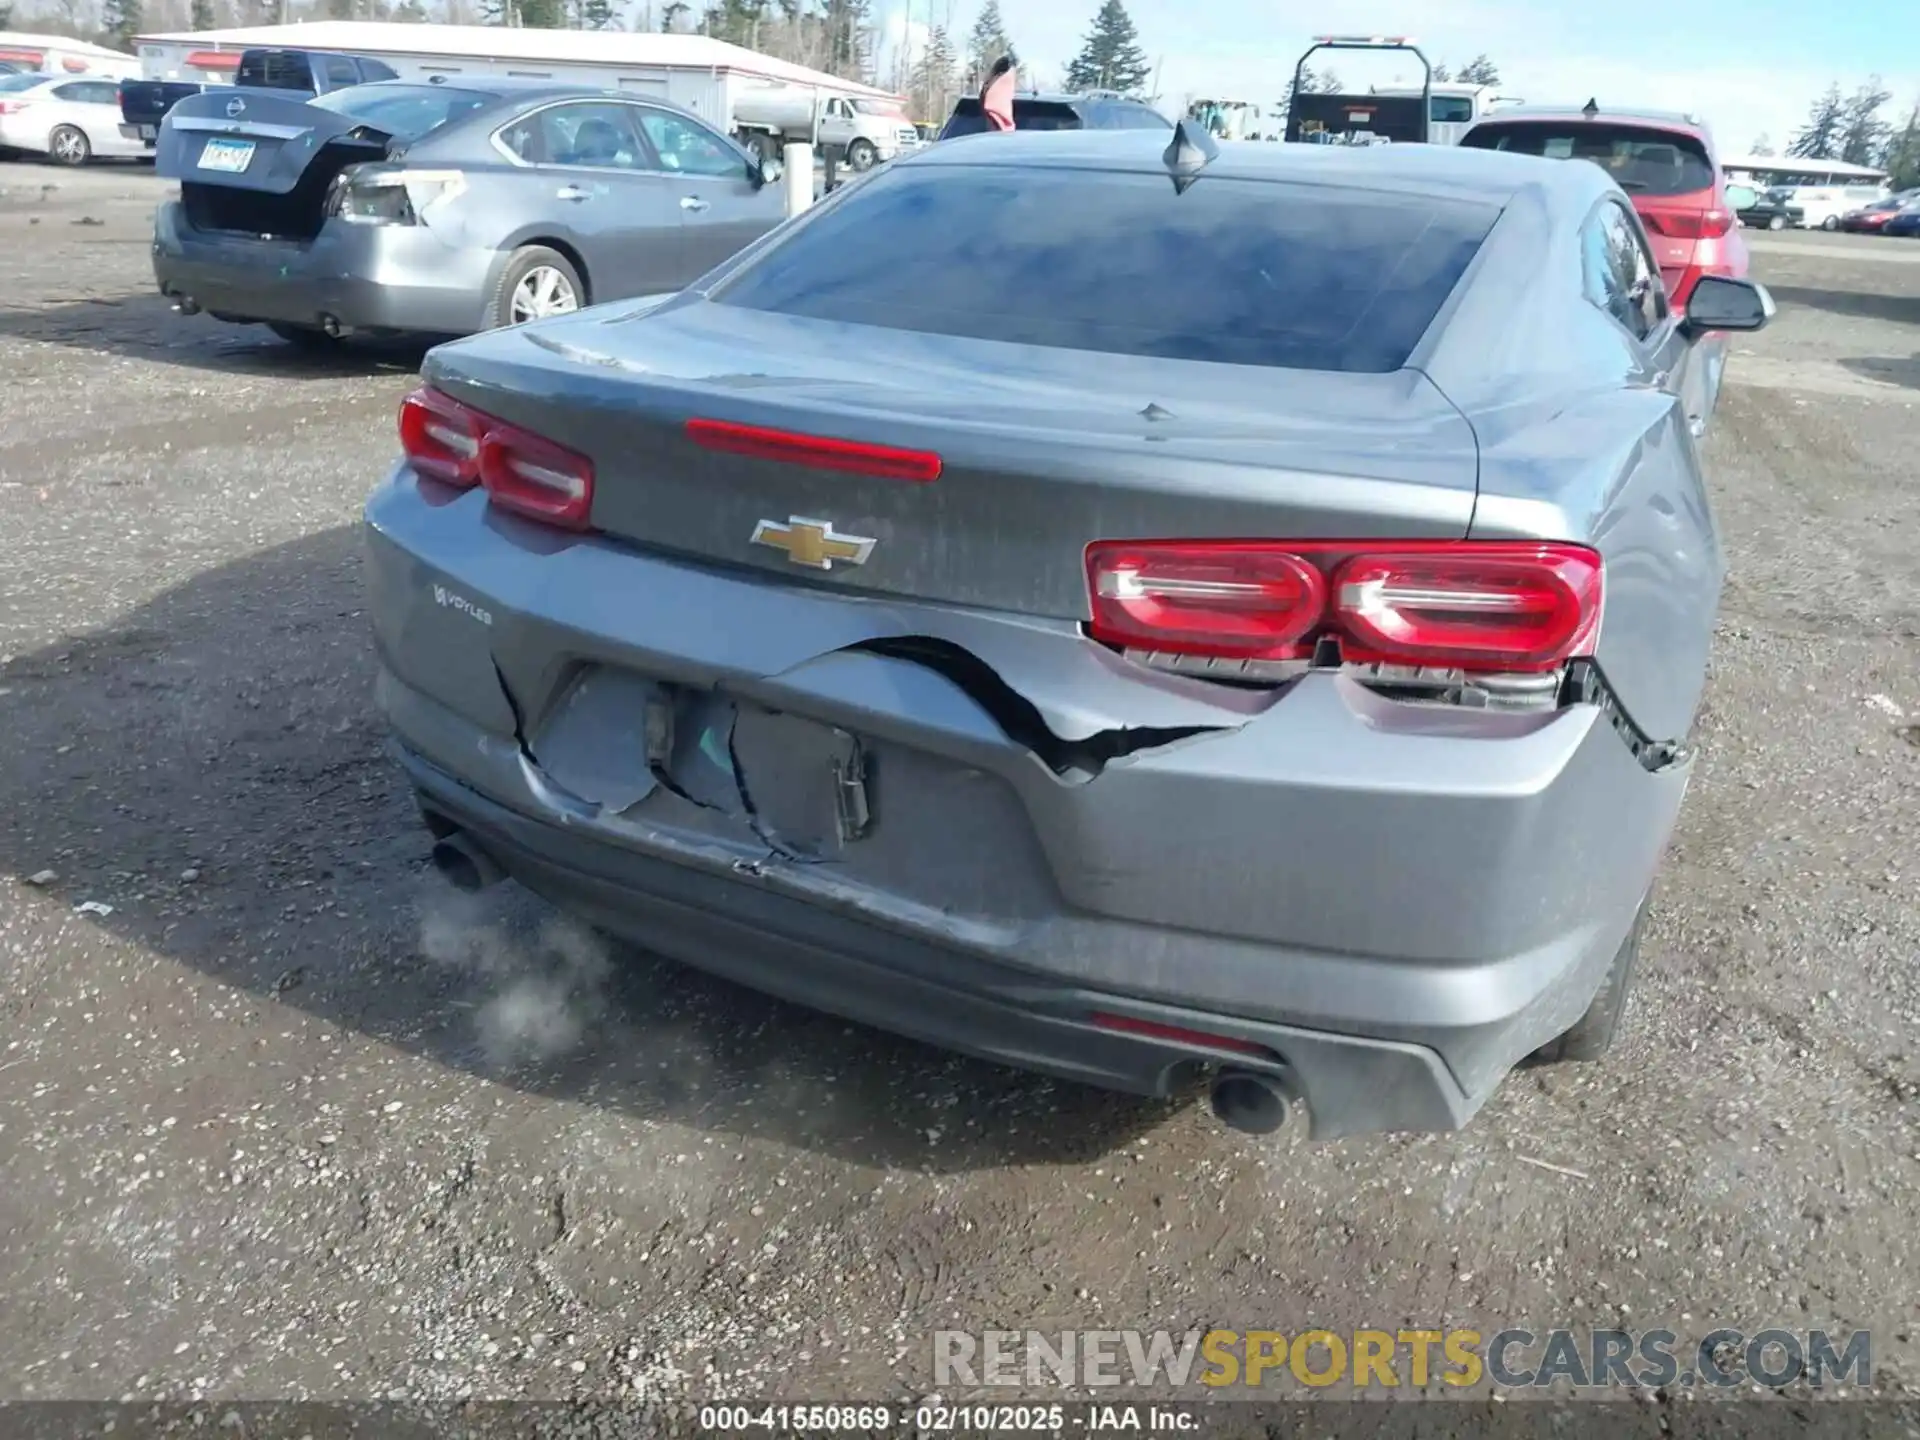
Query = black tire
x=1593 y=1033
x=310 y=338
x=520 y=264
x=68 y=145
x=861 y=155
x=765 y=147
x=1778 y=222
x=1832 y=222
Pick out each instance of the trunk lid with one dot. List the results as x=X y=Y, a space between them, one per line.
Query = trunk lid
x=263 y=141
x=260 y=163
x=1042 y=451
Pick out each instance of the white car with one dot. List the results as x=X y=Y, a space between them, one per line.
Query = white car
x=1823 y=205
x=69 y=120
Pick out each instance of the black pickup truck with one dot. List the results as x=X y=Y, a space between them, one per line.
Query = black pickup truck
x=144 y=103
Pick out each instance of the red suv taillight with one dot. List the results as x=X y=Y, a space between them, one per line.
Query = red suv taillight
x=1466 y=604
x=1705 y=224
x=526 y=473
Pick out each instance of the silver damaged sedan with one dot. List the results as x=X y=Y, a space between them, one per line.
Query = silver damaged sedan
x=1118 y=608
x=404 y=207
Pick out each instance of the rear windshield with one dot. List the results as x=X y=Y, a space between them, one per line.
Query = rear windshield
x=275 y=70
x=1641 y=159
x=405 y=112
x=967 y=118
x=1236 y=272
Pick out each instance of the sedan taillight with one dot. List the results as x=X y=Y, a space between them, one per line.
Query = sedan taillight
x=1689 y=224
x=526 y=473
x=1466 y=605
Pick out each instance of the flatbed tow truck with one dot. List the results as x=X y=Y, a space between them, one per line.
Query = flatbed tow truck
x=1371 y=119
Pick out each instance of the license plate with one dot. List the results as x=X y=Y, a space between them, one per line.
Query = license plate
x=230 y=157
x=149 y=132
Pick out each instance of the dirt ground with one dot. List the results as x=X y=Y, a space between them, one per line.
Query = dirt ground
x=292 y=1120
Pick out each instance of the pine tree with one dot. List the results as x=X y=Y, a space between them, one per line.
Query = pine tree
x=1440 y=74
x=1901 y=158
x=1863 y=133
x=1819 y=138
x=1310 y=82
x=1479 y=71
x=120 y=22
x=1111 y=58
x=1762 y=146
x=930 y=87
x=987 y=42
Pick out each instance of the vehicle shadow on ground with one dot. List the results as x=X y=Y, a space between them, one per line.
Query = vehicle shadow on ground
x=1888 y=371
x=145 y=327
x=212 y=769
x=1902 y=309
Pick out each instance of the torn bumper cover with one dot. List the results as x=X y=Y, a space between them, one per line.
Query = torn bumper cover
x=986 y=832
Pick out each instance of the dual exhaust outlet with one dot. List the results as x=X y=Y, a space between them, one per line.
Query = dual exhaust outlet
x=1242 y=1100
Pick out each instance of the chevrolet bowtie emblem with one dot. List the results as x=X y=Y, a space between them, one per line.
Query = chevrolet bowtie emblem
x=814 y=543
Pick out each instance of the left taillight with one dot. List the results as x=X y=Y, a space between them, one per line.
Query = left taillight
x=390 y=197
x=526 y=473
x=1706 y=224
x=1466 y=605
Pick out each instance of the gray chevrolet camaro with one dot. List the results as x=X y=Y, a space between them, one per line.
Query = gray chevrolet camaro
x=1111 y=607
x=404 y=207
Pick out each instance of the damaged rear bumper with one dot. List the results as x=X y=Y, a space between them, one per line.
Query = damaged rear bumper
x=377 y=279
x=1398 y=902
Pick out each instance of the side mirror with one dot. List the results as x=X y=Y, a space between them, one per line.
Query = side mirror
x=1741 y=197
x=1721 y=303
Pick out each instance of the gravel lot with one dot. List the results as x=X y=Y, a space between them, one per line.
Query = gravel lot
x=293 y=1120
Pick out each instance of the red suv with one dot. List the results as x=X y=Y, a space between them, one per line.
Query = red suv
x=1665 y=163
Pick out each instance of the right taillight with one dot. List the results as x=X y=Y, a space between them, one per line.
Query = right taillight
x=1689 y=224
x=526 y=473
x=1466 y=605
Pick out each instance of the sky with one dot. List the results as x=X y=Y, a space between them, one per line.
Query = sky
x=1750 y=67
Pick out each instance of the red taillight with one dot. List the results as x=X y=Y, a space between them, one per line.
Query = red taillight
x=523 y=472
x=1689 y=224
x=441 y=437
x=1245 y=600
x=1468 y=605
x=13 y=107
x=820 y=451
x=1525 y=607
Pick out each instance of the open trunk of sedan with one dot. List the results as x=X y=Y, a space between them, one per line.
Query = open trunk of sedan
x=260 y=164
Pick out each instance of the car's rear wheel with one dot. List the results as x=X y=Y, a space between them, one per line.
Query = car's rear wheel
x=1778 y=222
x=861 y=155
x=1593 y=1033
x=68 y=145
x=304 y=337
x=536 y=282
x=1832 y=222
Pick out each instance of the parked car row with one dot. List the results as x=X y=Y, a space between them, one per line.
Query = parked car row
x=1897 y=215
